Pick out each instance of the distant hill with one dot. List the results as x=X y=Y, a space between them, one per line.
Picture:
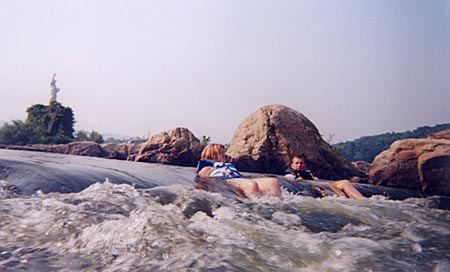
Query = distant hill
x=368 y=147
x=116 y=138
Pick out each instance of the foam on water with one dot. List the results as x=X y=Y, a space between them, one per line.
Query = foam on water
x=119 y=228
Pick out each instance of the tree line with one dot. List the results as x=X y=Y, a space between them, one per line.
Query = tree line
x=45 y=124
x=368 y=147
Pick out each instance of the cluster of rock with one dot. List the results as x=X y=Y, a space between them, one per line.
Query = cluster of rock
x=266 y=140
x=176 y=146
x=421 y=164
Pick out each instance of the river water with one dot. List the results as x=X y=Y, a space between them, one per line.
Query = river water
x=116 y=227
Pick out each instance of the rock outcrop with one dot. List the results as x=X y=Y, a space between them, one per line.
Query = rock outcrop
x=422 y=164
x=362 y=166
x=266 y=140
x=133 y=148
x=60 y=148
x=84 y=148
x=117 y=151
x=443 y=134
x=176 y=146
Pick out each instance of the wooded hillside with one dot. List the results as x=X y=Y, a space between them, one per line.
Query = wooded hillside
x=368 y=147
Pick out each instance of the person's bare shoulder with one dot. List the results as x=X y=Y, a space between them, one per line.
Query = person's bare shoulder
x=205 y=171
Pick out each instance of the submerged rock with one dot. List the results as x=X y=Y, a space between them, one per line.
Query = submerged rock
x=30 y=172
x=320 y=221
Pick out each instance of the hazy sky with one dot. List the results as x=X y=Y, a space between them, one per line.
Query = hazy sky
x=354 y=68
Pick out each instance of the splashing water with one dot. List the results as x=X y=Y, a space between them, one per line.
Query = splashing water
x=112 y=227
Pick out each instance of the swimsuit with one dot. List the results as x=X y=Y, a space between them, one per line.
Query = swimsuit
x=305 y=174
x=220 y=169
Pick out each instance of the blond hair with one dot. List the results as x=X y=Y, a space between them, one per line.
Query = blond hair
x=212 y=152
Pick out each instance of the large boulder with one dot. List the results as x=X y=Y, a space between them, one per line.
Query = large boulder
x=177 y=146
x=422 y=164
x=267 y=139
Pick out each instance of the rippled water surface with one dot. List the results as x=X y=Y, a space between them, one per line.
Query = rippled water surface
x=110 y=227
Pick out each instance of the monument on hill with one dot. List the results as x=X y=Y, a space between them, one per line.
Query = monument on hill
x=53 y=123
x=53 y=89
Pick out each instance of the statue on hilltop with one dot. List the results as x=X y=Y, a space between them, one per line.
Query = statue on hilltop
x=53 y=89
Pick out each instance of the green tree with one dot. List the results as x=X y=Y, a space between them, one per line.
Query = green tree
x=52 y=124
x=46 y=124
x=96 y=137
x=93 y=136
x=205 y=140
x=81 y=135
x=17 y=133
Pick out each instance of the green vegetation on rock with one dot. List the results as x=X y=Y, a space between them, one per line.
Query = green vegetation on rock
x=45 y=124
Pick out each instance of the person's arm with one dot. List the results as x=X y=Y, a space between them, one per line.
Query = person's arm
x=205 y=171
x=290 y=176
